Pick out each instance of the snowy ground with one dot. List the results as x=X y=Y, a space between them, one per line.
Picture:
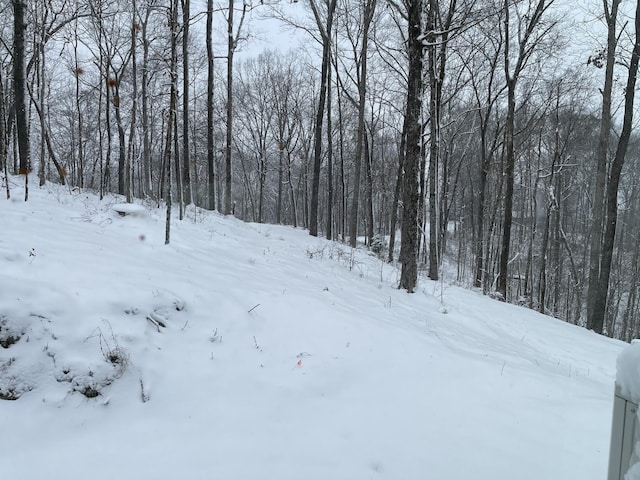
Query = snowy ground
x=282 y=357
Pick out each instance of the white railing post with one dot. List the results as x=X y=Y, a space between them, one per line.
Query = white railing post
x=625 y=429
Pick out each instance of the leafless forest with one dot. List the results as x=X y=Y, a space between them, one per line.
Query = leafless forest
x=498 y=136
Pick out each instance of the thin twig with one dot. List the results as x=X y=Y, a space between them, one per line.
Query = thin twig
x=255 y=306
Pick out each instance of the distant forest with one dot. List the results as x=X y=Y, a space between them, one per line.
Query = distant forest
x=490 y=141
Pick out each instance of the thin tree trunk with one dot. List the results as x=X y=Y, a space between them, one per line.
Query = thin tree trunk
x=134 y=105
x=230 y=50
x=369 y=9
x=186 y=158
x=593 y=322
x=597 y=321
x=3 y=132
x=369 y=200
x=325 y=33
x=78 y=73
x=330 y=190
x=396 y=194
x=146 y=141
x=210 y=140
x=170 y=142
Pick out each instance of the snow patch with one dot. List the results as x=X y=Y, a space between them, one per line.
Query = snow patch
x=129 y=209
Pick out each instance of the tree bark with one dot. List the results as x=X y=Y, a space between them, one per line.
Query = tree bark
x=230 y=50
x=186 y=156
x=325 y=33
x=211 y=191
x=600 y=303
x=593 y=322
x=409 y=237
x=369 y=9
x=170 y=141
x=22 y=127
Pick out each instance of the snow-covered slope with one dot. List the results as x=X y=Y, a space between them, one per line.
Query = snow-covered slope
x=282 y=357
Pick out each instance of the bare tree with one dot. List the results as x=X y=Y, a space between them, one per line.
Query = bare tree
x=232 y=44
x=596 y=322
x=529 y=33
x=186 y=156
x=171 y=142
x=360 y=59
x=409 y=237
x=211 y=191
x=324 y=27
x=19 y=90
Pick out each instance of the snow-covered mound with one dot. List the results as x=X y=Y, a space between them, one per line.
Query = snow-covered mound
x=245 y=351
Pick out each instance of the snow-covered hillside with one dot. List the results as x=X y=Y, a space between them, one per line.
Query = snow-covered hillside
x=282 y=356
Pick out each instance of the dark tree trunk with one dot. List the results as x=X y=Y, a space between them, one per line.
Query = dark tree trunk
x=369 y=190
x=329 y=228
x=600 y=303
x=170 y=141
x=369 y=9
x=134 y=105
x=210 y=146
x=593 y=322
x=325 y=33
x=115 y=99
x=525 y=38
x=230 y=50
x=409 y=238
x=19 y=84
x=147 y=183
x=3 y=130
x=509 y=167
x=186 y=156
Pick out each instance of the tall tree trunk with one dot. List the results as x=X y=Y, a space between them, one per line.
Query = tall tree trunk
x=115 y=99
x=146 y=140
x=3 y=131
x=509 y=167
x=230 y=51
x=186 y=158
x=396 y=193
x=330 y=189
x=78 y=73
x=325 y=33
x=22 y=127
x=232 y=41
x=210 y=140
x=525 y=39
x=171 y=120
x=369 y=189
x=593 y=322
x=369 y=9
x=134 y=104
x=41 y=69
x=437 y=41
x=409 y=237
x=600 y=304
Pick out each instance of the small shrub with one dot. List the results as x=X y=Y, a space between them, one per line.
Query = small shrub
x=378 y=245
x=8 y=335
x=7 y=340
x=89 y=391
x=13 y=387
x=9 y=394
